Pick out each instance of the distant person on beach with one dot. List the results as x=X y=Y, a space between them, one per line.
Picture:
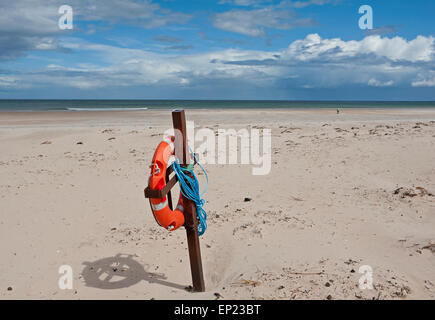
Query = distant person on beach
x=338 y=110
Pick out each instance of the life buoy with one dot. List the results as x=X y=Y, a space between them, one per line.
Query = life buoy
x=167 y=218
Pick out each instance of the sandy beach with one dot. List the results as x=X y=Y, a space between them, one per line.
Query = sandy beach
x=345 y=190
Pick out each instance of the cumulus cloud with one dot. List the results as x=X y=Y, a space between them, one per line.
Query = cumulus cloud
x=394 y=49
x=309 y=63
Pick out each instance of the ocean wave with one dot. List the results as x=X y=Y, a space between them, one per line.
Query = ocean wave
x=105 y=109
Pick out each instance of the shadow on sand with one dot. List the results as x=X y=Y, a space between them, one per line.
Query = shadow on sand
x=121 y=271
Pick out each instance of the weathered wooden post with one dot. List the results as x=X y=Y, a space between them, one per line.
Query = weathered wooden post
x=191 y=219
x=190 y=215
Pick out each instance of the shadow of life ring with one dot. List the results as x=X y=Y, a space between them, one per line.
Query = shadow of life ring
x=120 y=271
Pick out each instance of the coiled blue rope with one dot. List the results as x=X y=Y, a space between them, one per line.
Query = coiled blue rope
x=189 y=187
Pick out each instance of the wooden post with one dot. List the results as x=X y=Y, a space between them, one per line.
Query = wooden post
x=190 y=217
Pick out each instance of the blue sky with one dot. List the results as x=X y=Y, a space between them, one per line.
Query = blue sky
x=222 y=49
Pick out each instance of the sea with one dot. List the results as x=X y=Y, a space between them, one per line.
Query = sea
x=107 y=105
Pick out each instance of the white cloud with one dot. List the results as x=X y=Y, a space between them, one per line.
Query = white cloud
x=254 y=22
x=7 y=82
x=424 y=83
x=33 y=24
x=144 y=13
x=395 y=49
x=312 y=62
x=303 y=4
x=295 y=4
x=376 y=83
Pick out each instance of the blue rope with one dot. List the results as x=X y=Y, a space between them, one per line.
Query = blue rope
x=189 y=187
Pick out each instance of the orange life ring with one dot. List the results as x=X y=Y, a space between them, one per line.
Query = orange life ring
x=167 y=218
